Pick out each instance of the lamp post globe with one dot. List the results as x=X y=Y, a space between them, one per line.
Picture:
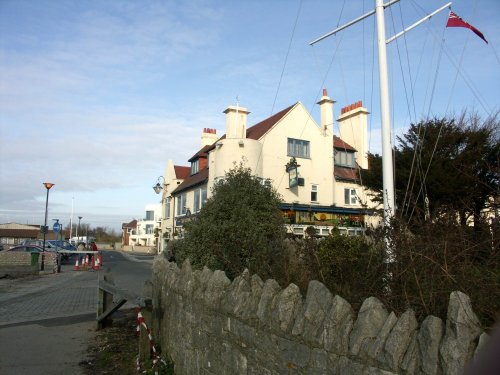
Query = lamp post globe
x=47 y=185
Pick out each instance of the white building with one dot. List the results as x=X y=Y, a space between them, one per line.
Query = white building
x=316 y=173
x=148 y=229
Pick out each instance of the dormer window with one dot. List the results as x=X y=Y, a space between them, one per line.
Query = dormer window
x=195 y=166
x=345 y=158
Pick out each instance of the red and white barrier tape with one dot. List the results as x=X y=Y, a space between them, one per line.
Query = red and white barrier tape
x=142 y=322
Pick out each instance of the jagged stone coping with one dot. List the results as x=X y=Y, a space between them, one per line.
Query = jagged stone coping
x=210 y=325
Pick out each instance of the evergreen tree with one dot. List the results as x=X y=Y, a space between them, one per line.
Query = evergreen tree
x=239 y=227
x=444 y=168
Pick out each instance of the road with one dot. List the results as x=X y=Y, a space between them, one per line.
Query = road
x=47 y=321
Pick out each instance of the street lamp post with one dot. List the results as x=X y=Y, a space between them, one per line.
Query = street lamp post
x=77 y=230
x=47 y=185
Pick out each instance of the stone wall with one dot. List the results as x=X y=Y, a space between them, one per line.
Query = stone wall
x=19 y=263
x=210 y=325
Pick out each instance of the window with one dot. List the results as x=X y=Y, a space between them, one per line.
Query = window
x=195 y=166
x=314 y=193
x=350 y=196
x=344 y=158
x=150 y=215
x=200 y=198
x=181 y=205
x=149 y=228
x=298 y=148
x=167 y=207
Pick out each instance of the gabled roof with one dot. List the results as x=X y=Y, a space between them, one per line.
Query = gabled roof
x=19 y=233
x=258 y=130
x=194 y=180
x=132 y=224
x=203 y=153
x=341 y=145
x=181 y=172
x=346 y=174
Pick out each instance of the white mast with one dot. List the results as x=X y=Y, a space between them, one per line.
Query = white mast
x=387 y=163
x=387 y=160
x=71 y=219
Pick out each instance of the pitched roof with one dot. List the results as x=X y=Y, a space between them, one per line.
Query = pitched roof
x=340 y=144
x=181 y=172
x=19 y=233
x=258 y=130
x=346 y=174
x=261 y=128
x=202 y=153
x=193 y=180
x=132 y=224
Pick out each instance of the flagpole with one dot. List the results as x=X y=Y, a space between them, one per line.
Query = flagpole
x=387 y=161
x=71 y=219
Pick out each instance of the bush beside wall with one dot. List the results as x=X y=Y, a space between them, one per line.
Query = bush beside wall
x=210 y=325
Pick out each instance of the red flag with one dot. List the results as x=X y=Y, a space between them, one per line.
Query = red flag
x=456 y=21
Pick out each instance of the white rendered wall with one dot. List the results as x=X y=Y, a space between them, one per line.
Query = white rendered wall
x=316 y=170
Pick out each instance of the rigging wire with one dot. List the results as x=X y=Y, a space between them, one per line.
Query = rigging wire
x=286 y=56
x=322 y=82
x=282 y=73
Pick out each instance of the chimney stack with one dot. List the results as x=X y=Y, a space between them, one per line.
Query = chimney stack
x=236 y=122
x=353 y=125
x=326 y=111
x=208 y=137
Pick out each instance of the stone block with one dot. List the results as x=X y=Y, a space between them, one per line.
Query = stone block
x=338 y=324
x=266 y=304
x=429 y=340
x=371 y=318
x=216 y=289
x=288 y=306
x=462 y=329
x=400 y=337
x=309 y=323
x=374 y=348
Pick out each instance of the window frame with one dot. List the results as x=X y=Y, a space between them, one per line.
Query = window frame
x=181 y=205
x=350 y=196
x=314 y=193
x=299 y=148
x=195 y=166
x=199 y=199
x=167 y=212
x=150 y=215
x=344 y=158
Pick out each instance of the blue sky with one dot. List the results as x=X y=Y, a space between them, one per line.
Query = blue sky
x=96 y=96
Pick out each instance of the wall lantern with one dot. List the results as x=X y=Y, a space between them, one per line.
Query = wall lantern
x=157 y=188
x=293 y=174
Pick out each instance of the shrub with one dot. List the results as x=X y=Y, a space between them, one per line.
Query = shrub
x=239 y=227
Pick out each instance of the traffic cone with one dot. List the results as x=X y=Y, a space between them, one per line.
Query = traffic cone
x=84 y=262
x=77 y=267
x=97 y=264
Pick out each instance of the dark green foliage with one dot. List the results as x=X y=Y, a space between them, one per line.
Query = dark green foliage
x=240 y=227
x=452 y=162
x=351 y=266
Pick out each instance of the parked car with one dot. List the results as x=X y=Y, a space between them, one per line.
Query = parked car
x=38 y=249
x=50 y=245
x=28 y=248
x=61 y=244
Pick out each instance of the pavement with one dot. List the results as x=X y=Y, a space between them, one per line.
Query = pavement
x=46 y=322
